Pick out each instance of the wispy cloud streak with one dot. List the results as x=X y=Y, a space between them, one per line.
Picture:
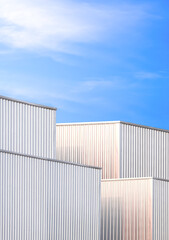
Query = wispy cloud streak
x=59 y=25
x=88 y=91
x=148 y=75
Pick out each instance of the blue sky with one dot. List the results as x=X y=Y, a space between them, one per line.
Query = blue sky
x=93 y=60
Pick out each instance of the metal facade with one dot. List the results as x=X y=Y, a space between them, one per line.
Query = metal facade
x=44 y=199
x=135 y=209
x=144 y=152
x=160 y=210
x=91 y=144
x=123 y=150
x=27 y=128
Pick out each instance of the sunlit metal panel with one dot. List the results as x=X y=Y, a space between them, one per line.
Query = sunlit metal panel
x=135 y=209
x=94 y=144
x=43 y=199
x=123 y=150
x=27 y=128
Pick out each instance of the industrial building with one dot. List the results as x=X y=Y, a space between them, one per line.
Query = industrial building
x=50 y=177
x=42 y=198
x=135 y=175
x=27 y=128
x=122 y=149
x=135 y=209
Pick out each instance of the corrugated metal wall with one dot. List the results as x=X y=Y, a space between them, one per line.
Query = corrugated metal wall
x=27 y=128
x=91 y=144
x=42 y=200
x=126 y=209
x=144 y=152
x=123 y=150
x=160 y=210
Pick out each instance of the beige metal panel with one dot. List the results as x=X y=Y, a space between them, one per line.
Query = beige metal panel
x=91 y=144
x=126 y=209
x=27 y=128
x=42 y=199
x=160 y=210
x=123 y=150
x=143 y=152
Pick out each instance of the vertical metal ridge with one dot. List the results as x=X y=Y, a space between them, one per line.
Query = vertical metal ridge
x=42 y=200
x=126 y=210
x=144 y=152
x=160 y=210
x=96 y=145
x=121 y=150
x=23 y=126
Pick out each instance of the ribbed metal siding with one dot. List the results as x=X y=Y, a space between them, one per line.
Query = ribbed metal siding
x=122 y=150
x=42 y=200
x=27 y=129
x=126 y=210
x=160 y=210
x=90 y=144
x=144 y=152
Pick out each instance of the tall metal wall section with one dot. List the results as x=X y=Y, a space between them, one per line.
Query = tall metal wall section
x=94 y=144
x=127 y=209
x=132 y=209
x=144 y=152
x=44 y=199
x=160 y=209
x=27 y=128
x=123 y=150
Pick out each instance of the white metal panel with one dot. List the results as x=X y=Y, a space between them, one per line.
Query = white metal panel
x=123 y=150
x=126 y=209
x=45 y=199
x=27 y=128
x=144 y=152
x=135 y=209
x=91 y=144
x=160 y=210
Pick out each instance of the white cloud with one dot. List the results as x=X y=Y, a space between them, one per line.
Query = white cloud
x=61 y=92
x=148 y=75
x=67 y=95
x=58 y=25
x=97 y=83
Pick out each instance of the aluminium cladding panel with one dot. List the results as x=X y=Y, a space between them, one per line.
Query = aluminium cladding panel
x=135 y=209
x=126 y=209
x=160 y=210
x=94 y=144
x=123 y=150
x=144 y=151
x=26 y=128
x=43 y=199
